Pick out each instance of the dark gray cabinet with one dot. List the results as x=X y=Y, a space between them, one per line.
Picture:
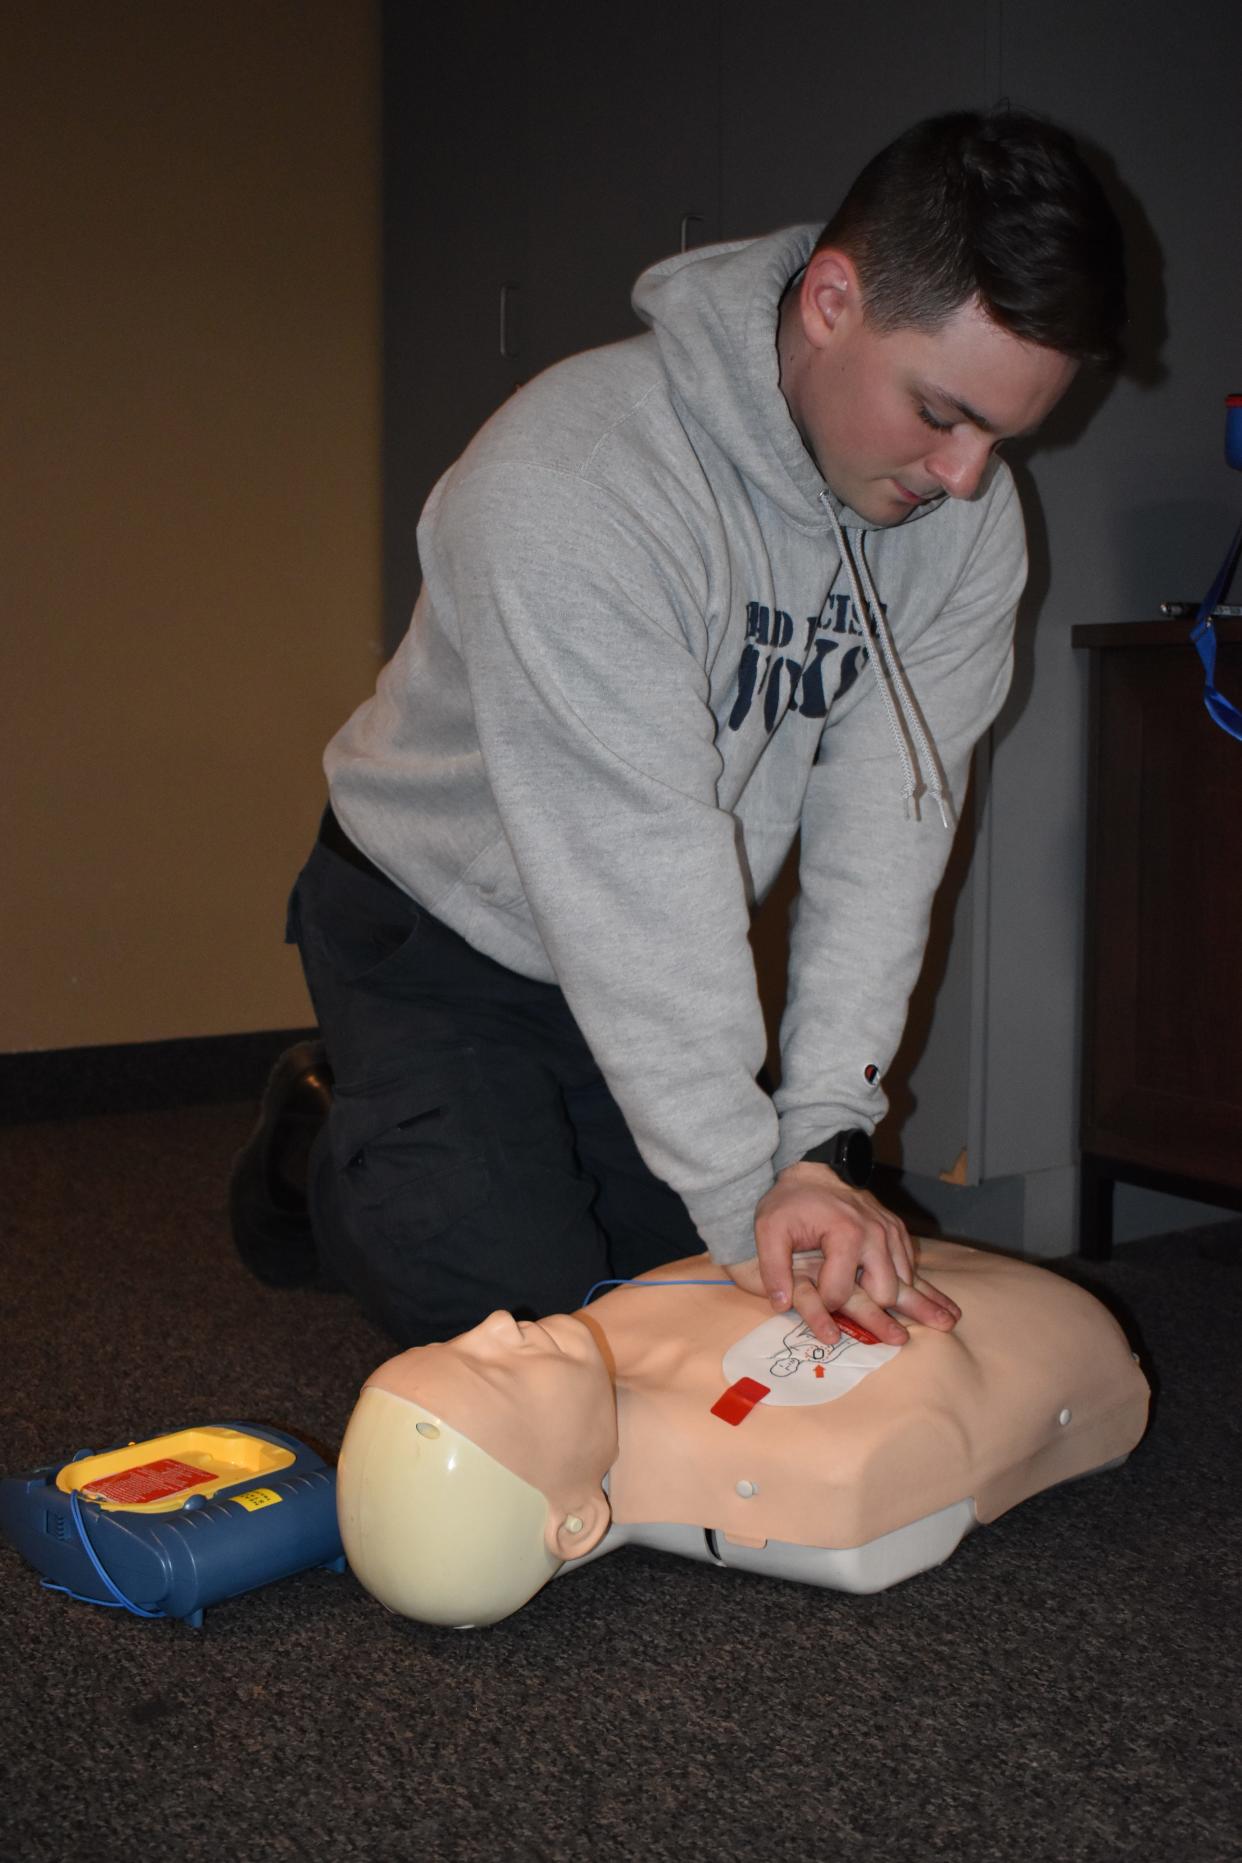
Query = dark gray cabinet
x=534 y=163
x=1162 y=1026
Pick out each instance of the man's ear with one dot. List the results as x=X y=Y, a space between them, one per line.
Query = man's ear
x=575 y=1534
x=830 y=296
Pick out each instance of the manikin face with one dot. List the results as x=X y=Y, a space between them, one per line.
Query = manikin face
x=536 y=1397
x=896 y=421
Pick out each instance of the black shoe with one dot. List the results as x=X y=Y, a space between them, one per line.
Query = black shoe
x=268 y=1208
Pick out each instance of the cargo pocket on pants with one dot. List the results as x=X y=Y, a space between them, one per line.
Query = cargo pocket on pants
x=410 y=1153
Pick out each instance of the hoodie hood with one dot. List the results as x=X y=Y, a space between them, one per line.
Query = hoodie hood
x=714 y=314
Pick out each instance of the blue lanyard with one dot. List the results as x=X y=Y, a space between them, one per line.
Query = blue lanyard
x=1203 y=635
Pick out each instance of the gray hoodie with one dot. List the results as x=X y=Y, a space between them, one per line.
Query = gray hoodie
x=635 y=671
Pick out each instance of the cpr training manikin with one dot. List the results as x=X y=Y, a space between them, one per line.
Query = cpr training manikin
x=679 y=1412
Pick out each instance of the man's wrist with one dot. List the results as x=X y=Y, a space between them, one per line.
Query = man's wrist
x=848 y=1153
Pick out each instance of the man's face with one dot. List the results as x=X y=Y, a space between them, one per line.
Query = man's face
x=897 y=421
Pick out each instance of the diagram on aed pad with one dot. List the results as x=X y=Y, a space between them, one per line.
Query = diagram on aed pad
x=797 y=1367
x=803 y=1348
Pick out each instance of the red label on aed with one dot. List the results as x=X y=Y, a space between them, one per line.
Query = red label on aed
x=150 y=1481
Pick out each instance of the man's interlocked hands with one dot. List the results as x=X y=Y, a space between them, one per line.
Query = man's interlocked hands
x=823 y=1247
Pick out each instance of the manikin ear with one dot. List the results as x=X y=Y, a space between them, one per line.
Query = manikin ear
x=575 y=1534
x=830 y=296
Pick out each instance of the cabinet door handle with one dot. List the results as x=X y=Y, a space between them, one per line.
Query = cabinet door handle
x=507 y=350
x=687 y=221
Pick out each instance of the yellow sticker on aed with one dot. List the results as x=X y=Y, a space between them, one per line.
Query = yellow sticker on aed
x=256 y=1498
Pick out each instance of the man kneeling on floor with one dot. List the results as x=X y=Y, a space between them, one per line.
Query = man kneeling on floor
x=746 y=577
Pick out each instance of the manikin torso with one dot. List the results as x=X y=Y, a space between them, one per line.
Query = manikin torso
x=1034 y=1385
x=740 y=1439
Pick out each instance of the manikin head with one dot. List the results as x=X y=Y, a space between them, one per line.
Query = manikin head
x=971 y=268
x=470 y=1471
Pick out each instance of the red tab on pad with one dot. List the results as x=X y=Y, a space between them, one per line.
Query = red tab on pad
x=736 y=1404
x=854 y=1330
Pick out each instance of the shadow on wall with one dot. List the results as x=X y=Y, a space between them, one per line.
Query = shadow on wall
x=770 y=943
x=1146 y=334
x=926 y=993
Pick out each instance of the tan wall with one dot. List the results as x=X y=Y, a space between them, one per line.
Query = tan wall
x=190 y=549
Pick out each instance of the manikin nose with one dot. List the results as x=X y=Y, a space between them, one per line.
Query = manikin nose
x=501 y=1329
x=960 y=464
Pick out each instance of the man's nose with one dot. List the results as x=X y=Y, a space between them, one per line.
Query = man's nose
x=960 y=462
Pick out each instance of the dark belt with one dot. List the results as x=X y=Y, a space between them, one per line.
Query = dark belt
x=334 y=838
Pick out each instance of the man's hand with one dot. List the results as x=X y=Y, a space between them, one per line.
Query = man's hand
x=864 y=1259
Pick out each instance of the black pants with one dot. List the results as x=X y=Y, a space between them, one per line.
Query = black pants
x=474 y=1157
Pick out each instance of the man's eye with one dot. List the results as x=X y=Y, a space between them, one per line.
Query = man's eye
x=929 y=420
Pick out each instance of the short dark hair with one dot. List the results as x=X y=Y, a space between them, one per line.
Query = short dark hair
x=998 y=206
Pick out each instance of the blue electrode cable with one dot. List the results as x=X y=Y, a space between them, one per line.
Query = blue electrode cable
x=623 y=1282
x=1203 y=635
x=118 y=1601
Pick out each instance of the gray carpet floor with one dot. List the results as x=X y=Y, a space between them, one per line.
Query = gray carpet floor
x=1065 y=1686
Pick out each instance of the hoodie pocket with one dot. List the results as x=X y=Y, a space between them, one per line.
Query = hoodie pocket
x=493 y=879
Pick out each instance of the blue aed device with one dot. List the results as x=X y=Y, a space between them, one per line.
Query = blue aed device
x=166 y=1527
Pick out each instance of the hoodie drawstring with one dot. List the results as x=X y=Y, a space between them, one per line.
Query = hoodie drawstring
x=914 y=747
